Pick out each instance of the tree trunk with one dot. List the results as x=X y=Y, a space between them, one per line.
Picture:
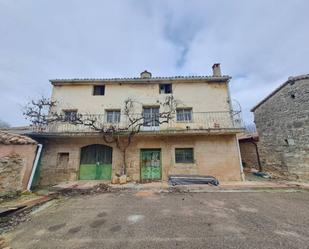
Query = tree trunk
x=124 y=166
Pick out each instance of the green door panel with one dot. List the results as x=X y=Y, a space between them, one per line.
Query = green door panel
x=95 y=172
x=96 y=162
x=87 y=172
x=150 y=164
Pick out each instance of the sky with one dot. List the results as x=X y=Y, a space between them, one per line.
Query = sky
x=260 y=43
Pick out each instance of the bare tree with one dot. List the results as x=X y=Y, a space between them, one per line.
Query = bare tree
x=37 y=111
x=40 y=113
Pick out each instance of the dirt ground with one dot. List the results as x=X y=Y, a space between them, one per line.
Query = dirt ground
x=145 y=219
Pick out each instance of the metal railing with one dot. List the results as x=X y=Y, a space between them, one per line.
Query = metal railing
x=196 y=121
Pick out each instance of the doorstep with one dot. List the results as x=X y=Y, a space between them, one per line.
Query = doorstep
x=163 y=186
x=79 y=185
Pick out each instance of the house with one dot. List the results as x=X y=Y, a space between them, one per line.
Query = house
x=17 y=154
x=199 y=138
x=282 y=121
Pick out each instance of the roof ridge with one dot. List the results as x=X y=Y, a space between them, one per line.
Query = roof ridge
x=143 y=79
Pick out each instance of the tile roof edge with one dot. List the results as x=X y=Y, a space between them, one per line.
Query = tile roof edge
x=132 y=80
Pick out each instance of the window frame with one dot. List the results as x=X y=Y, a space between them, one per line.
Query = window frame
x=113 y=111
x=163 y=90
x=184 y=158
x=60 y=157
x=71 y=118
x=184 y=120
x=94 y=91
x=155 y=117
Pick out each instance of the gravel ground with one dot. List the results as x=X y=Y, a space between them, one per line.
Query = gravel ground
x=169 y=220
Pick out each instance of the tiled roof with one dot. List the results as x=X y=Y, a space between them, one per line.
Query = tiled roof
x=11 y=138
x=290 y=79
x=251 y=136
x=141 y=80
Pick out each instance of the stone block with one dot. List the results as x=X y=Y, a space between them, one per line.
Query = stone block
x=115 y=180
x=123 y=179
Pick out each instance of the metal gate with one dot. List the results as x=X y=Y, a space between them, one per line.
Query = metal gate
x=150 y=164
x=96 y=162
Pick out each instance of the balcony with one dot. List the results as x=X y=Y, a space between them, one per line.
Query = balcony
x=197 y=122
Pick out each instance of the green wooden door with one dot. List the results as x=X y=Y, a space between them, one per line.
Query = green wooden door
x=150 y=164
x=96 y=162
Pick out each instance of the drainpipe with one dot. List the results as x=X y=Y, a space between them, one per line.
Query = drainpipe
x=242 y=175
x=35 y=165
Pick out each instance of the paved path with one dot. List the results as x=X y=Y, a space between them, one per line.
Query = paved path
x=170 y=220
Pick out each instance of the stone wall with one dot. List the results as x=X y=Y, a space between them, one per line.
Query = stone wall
x=10 y=174
x=15 y=167
x=282 y=122
x=248 y=154
x=214 y=155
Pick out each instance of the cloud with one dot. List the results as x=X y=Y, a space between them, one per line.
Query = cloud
x=260 y=43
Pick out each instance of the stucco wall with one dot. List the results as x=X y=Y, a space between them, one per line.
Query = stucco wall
x=214 y=155
x=283 y=126
x=202 y=97
x=16 y=165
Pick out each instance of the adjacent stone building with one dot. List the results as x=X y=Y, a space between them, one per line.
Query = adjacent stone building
x=17 y=155
x=282 y=121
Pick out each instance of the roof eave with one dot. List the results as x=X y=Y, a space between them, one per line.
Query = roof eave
x=139 y=80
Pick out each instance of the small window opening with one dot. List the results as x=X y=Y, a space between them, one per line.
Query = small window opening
x=184 y=155
x=63 y=160
x=70 y=115
x=98 y=90
x=289 y=141
x=293 y=96
x=165 y=88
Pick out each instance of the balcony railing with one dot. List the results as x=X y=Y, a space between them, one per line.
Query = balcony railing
x=197 y=121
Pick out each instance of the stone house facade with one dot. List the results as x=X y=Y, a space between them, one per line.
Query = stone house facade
x=282 y=121
x=200 y=139
x=17 y=154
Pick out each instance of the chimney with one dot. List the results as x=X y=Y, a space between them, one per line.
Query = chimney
x=145 y=75
x=216 y=70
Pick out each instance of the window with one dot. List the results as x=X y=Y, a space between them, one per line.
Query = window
x=70 y=115
x=184 y=115
x=289 y=141
x=63 y=160
x=113 y=116
x=151 y=116
x=184 y=155
x=98 y=90
x=165 y=88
